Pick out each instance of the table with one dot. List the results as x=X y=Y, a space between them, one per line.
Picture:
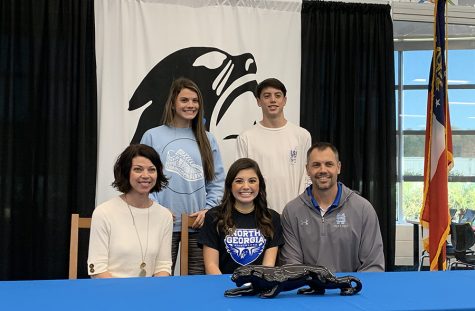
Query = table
x=449 y=290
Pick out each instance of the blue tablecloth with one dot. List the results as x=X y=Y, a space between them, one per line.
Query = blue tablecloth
x=450 y=290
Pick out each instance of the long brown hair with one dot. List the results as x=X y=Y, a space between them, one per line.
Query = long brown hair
x=197 y=125
x=263 y=216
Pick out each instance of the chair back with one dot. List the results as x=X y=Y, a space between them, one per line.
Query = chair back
x=468 y=216
x=462 y=236
x=186 y=223
x=453 y=212
x=76 y=224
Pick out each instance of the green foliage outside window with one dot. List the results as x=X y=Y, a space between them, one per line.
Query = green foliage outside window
x=461 y=196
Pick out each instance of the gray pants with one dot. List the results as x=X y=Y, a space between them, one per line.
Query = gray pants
x=195 y=253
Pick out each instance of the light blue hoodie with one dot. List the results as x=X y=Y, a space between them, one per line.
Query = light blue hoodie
x=187 y=190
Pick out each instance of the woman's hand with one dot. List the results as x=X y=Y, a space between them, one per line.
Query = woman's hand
x=161 y=273
x=200 y=219
x=103 y=275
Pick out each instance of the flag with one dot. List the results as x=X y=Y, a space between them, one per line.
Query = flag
x=438 y=158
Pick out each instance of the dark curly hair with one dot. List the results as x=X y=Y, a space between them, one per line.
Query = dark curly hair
x=263 y=216
x=124 y=163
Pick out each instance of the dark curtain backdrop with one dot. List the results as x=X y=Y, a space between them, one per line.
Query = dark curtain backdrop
x=347 y=98
x=48 y=132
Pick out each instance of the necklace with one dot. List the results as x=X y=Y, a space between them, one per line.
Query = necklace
x=142 y=266
x=244 y=210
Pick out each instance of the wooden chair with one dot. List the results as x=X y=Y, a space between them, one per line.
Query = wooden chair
x=186 y=222
x=76 y=224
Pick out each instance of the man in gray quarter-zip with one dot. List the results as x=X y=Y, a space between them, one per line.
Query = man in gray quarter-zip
x=330 y=224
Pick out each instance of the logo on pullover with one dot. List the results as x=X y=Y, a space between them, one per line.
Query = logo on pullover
x=341 y=220
x=181 y=163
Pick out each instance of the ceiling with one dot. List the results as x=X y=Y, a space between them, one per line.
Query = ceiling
x=413 y=25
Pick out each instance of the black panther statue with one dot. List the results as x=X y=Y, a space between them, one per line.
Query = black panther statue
x=267 y=282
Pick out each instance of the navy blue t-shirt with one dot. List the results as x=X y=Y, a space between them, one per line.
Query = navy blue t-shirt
x=246 y=245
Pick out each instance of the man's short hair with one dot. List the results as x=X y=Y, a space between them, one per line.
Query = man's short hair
x=271 y=82
x=321 y=145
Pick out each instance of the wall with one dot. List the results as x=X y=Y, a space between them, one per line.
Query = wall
x=405 y=245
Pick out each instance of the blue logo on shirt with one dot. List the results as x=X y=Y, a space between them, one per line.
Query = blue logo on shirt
x=293 y=156
x=340 y=219
x=245 y=245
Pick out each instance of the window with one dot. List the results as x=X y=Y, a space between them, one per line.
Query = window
x=412 y=64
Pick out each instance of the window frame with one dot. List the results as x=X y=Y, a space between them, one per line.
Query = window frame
x=400 y=88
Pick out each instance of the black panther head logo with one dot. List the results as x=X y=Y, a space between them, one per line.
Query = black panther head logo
x=220 y=76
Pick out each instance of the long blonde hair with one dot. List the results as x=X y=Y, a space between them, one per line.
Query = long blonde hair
x=197 y=124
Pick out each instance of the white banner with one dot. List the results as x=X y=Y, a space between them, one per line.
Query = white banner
x=141 y=46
